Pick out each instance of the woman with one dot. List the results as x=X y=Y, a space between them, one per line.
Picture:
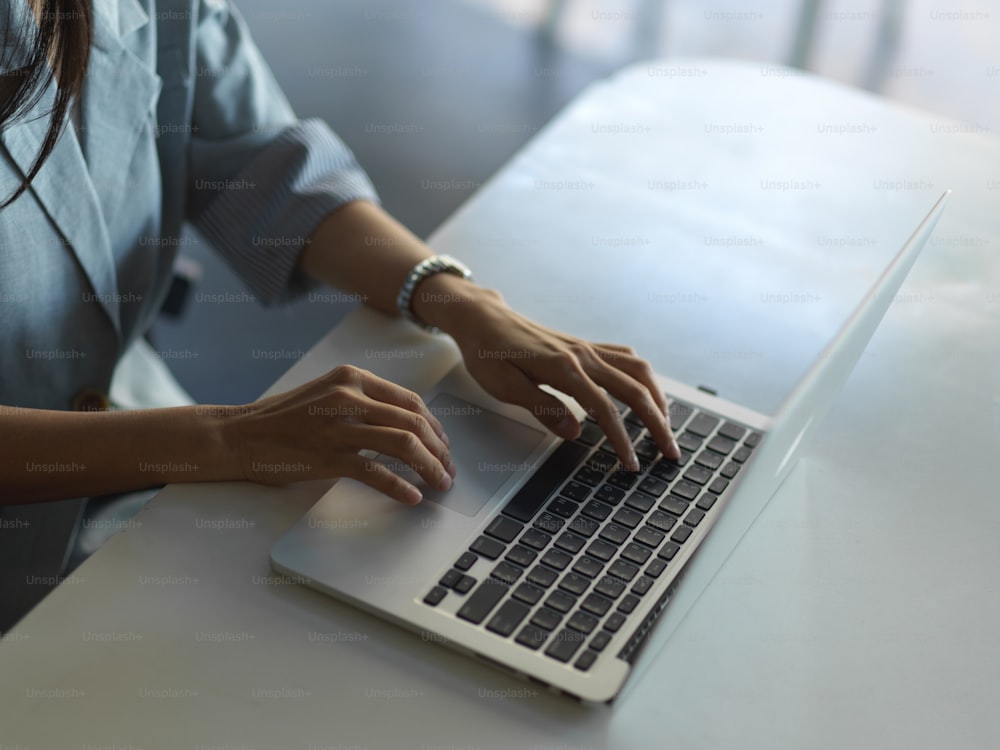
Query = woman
x=110 y=140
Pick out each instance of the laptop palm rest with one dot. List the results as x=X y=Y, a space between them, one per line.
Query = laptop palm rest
x=487 y=449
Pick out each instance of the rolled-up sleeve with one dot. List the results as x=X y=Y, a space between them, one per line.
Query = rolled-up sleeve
x=261 y=180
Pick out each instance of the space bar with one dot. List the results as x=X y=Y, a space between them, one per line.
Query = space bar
x=556 y=469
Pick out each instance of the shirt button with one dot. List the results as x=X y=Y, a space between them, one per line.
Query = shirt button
x=90 y=399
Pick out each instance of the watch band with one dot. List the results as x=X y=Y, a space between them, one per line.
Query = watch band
x=424 y=269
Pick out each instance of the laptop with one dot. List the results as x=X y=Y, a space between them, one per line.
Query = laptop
x=546 y=558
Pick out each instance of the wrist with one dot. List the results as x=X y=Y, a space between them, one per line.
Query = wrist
x=445 y=301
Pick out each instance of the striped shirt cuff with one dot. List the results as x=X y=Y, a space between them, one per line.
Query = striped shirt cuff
x=289 y=188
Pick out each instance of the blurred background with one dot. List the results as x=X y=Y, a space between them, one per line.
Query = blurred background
x=435 y=95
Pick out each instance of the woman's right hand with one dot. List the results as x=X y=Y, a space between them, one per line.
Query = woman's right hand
x=317 y=430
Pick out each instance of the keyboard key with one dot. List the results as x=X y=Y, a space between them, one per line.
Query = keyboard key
x=465 y=584
x=466 y=561
x=673 y=505
x=696 y=474
x=582 y=622
x=649 y=536
x=732 y=431
x=570 y=542
x=623 y=479
x=679 y=413
x=655 y=569
x=449 y=579
x=602 y=462
x=681 y=534
x=528 y=594
x=653 y=486
x=503 y=528
x=609 y=587
x=660 y=520
x=721 y=444
x=535 y=539
x=614 y=533
x=742 y=454
x=596 y=604
x=689 y=441
x=561 y=601
x=484 y=598
x=622 y=569
x=609 y=494
x=540 y=485
x=549 y=523
x=753 y=440
x=668 y=551
x=647 y=449
x=694 y=517
x=709 y=460
x=566 y=643
x=718 y=485
x=575 y=491
x=584 y=526
x=628 y=603
x=542 y=576
x=508 y=617
x=557 y=559
x=590 y=433
x=589 y=567
x=589 y=476
x=574 y=584
x=636 y=553
x=600 y=641
x=531 y=637
x=488 y=548
x=435 y=595
x=706 y=501
x=521 y=555
x=562 y=507
x=601 y=550
x=642 y=585
x=665 y=470
x=640 y=501
x=546 y=619
x=702 y=424
x=615 y=622
x=586 y=660
x=506 y=572
x=686 y=490
x=628 y=517
x=730 y=470
x=597 y=510
x=634 y=429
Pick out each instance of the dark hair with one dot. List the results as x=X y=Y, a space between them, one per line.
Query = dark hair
x=57 y=45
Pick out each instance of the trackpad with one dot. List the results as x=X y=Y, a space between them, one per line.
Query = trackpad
x=486 y=448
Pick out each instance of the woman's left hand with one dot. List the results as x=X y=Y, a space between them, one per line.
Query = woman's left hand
x=511 y=356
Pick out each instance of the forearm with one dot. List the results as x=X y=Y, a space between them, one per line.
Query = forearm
x=52 y=455
x=364 y=251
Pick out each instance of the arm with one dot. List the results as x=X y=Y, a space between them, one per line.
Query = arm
x=363 y=250
x=311 y=432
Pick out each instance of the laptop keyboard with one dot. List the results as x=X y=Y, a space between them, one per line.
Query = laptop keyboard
x=583 y=540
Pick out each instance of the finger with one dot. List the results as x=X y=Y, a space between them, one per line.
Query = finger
x=389 y=415
x=565 y=372
x=638 y=368
x=631 y=379
x=401 y=444
x=382 y=390
x=378 y=477
x=513 y=386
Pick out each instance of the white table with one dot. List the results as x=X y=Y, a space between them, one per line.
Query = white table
x=859 y=611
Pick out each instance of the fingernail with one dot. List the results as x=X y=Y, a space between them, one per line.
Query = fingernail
x=444 y=438
x=413 y=495
x=676 y=449
x=452 y=469
x=633 y=460
x=567 y=426
x=444 y=483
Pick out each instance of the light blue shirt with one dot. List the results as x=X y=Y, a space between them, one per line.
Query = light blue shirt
x=180 y=120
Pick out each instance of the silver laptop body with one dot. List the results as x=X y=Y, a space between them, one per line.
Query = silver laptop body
x=471 y=568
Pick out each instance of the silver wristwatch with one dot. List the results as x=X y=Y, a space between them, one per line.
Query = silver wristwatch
x=424 y=269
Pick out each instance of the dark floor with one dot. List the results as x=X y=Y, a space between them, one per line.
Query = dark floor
x=465 y=89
